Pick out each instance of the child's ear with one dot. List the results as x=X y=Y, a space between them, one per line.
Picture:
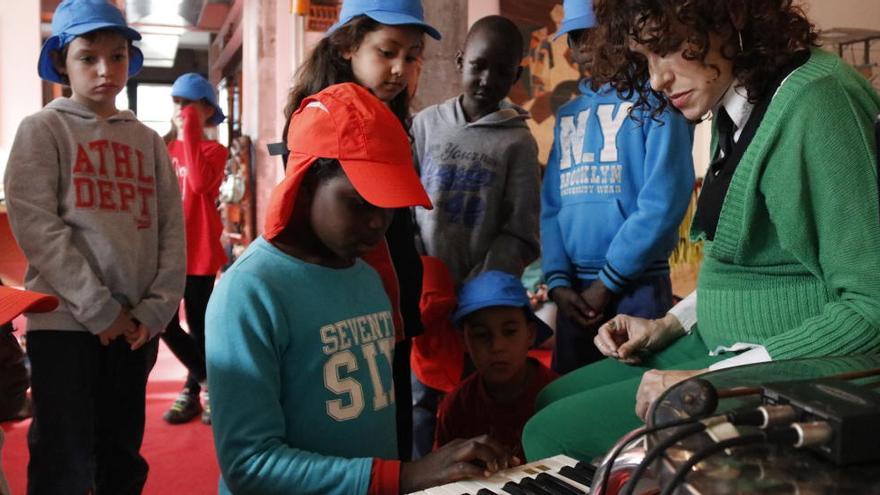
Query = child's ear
x=59 y=64
x=348 y=52
x=459 y=60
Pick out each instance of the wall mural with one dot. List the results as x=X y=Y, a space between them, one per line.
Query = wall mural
x=549 y=77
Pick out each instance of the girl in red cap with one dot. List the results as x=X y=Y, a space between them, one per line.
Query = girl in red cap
x=378 y=44
x=300 y=331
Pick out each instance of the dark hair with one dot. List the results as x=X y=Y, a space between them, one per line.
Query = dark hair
x=170 y=136
x=321 y=171
x=326 y=66
x=91 y=37
x=502 y=29
x=772 y=32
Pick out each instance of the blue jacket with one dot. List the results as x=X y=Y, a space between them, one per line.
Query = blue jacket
x=614 y=192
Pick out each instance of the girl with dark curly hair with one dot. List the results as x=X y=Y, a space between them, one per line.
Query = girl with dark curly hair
x=788 y=211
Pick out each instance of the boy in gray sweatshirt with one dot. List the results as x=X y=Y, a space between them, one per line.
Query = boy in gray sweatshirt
x=94 y=203
x=478 y=161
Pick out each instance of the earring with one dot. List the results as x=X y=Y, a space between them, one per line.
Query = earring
x=740 y=36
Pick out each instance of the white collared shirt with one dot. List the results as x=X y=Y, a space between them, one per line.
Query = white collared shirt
x=736 y=102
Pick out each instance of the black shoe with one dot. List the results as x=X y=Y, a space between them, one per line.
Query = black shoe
x=184 y=409
x=206 y=408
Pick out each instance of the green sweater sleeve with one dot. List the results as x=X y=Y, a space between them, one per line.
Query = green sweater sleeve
x=831 y=225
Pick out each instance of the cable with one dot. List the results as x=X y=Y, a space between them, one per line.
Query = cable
x=762 y=417
x=631 y=437
x=683 y=470
x=655 y=452
x=796 y=434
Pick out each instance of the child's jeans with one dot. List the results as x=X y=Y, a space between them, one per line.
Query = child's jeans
x=88 y=424
x=649 y=297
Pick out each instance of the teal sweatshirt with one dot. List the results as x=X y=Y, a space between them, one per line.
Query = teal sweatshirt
x=299 y=368
x=795 y=263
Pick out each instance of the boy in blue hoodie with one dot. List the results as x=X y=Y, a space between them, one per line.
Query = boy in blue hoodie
x=615 y=190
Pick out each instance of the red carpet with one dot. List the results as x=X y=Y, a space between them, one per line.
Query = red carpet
x=182 y=459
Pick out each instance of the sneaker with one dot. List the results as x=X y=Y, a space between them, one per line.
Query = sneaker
x=184 y=409
x=206 y=408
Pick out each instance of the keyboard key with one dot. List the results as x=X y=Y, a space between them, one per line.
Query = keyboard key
x=550 y=480
x=573 y=474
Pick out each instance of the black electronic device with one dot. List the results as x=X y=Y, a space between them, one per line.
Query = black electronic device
x=852 y=411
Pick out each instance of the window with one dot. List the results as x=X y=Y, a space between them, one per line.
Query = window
x=154 y=105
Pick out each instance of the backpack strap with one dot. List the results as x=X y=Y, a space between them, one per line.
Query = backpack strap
x=280 y=148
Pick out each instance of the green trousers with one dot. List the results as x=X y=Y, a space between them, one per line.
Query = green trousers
x=583 y=413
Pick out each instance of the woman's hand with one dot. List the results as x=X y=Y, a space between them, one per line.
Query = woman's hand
x=626 y=337
x=655 y=382
x=459 y=459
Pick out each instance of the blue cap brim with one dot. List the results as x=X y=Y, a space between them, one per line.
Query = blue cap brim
x=218 y=116
x=392 y=19
x=542 y=330
x=568 y=25
x=46 y=69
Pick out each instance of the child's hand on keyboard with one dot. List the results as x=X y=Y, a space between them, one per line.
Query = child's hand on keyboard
x=459 y=459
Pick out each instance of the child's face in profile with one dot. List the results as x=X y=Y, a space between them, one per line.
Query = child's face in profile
x=498 y=339
x=489 y=68
x=387 y=59
x=97 y=69
x=344 y=223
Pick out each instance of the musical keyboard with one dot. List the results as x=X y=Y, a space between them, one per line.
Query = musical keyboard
x=558 y=475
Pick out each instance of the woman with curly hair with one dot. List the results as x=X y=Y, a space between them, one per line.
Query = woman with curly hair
x=788 y=211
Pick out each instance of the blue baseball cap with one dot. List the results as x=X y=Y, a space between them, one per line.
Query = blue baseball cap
x=194 y=87
x=73 y=18
x=391 y=12
x=496 y=288
x=578 y=15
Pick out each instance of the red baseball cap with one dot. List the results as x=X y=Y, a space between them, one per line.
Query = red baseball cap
x=14 y=302
x=348 y=123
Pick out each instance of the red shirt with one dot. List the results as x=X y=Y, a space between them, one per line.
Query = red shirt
x=468 y=411
x=200 y=166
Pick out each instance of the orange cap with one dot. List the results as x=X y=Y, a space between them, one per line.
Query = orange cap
x=14 y=302
x=348 y=123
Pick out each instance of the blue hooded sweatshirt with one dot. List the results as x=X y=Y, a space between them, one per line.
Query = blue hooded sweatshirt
x=614 y=192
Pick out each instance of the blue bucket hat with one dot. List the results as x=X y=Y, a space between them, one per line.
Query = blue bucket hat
x=391 y=12
x=496 y=288
x=73 y=18
x=194 y=87
x=578 y=15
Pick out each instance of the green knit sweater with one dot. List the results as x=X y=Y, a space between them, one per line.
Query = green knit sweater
x=795 y=263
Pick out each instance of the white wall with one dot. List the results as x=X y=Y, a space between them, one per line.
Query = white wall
x=477 y=9
x=864 y=14
x=20 y=88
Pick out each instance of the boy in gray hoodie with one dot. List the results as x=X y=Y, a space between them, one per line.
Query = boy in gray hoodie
x=94 y=203
x=478 y=161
